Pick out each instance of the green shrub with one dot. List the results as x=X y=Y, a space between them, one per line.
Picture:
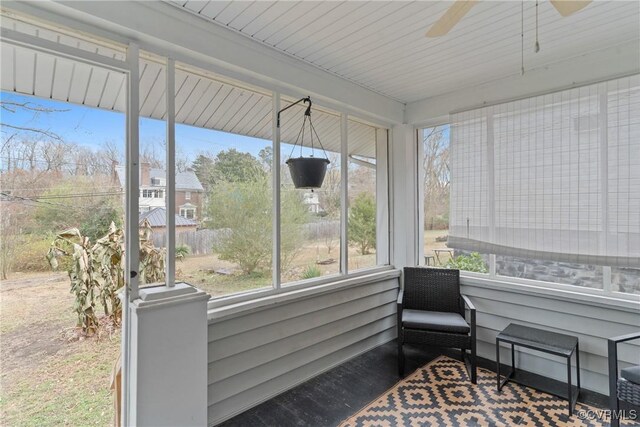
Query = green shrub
x=362 y=223
x=244 y=210
x=310 y=272
x=182 y=251
x=472 y=262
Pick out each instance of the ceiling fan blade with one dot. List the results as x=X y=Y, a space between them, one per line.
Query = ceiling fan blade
x=450 y=18
x=569 y=7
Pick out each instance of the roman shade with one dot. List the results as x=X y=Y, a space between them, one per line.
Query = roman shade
x=552 y=177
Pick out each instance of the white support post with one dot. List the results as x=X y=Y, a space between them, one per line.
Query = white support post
x=344 y=193
x=132 y=242
x=404 y=179
x=170 y=199
x=275 y=170
x=382 y=196
x=420 y=195
x=169 y=354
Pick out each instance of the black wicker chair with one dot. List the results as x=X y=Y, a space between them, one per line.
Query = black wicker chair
x=625 y=388
x=431 y=311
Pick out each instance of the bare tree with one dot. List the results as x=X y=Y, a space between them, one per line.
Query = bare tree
x=154 y=154
x=436 y=178
x=13 y=107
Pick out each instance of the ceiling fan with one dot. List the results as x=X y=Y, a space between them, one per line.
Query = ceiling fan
x=461 y=7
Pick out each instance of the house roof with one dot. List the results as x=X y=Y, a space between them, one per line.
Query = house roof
x=157 y=218
x=187 y=180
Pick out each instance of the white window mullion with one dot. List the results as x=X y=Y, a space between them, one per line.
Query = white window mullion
x=132 y=173
x=132 y=244
x=170 y=199
x=275 y=171
x=344 y=193
x=382 y=197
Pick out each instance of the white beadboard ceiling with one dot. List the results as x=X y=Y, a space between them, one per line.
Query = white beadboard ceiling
x=203 y=99
x=381 y=44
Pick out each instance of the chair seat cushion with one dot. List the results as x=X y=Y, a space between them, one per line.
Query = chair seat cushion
x=435 y=321
x=631 y=373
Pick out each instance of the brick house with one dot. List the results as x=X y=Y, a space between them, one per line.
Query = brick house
x=189 y=190
x=157 y=218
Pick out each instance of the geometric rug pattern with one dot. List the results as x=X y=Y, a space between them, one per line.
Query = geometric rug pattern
x=441 y=394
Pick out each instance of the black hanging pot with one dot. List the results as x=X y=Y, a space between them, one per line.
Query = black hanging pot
x=307 y=172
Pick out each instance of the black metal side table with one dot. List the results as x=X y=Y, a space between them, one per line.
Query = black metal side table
x=545 y=341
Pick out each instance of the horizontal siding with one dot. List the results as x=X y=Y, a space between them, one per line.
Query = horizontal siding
x=256 y=356
x=593 y=325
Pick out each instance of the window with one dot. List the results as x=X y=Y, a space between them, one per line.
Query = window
x=310 y=219
x=188 y=213
x=152 y=194
x=366 y=144
x=551 y=186
x=223 y=183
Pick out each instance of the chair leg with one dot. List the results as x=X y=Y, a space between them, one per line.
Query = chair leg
x=614 y=403
x=474 y=364
x=400 y=357
x=615 y=411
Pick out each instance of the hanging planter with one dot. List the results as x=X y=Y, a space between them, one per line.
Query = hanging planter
x=306 y=172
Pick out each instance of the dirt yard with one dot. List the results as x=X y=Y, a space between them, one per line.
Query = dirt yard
x=219 y=277
x=49 y=378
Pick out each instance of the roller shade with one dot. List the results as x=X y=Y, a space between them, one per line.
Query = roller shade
x=553 y=177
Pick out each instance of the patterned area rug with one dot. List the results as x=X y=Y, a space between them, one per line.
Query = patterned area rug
x=441 y=394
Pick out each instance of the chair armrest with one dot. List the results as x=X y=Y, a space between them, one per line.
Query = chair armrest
x=399 y=314
x=468 y=303
x=472 y=314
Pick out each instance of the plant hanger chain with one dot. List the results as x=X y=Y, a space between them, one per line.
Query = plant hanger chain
x=312 y=129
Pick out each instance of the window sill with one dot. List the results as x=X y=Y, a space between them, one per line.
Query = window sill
x=236 y=305
x=630 y=303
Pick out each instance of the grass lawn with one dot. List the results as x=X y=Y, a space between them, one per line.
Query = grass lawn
x=46 y=378
x=430 y=244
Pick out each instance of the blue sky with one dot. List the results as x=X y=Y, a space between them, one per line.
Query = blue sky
x=93 y=127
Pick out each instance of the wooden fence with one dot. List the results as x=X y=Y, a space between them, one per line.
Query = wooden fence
x=201 y=242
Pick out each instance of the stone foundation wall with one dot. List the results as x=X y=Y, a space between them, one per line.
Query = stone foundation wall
x=590 y=276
